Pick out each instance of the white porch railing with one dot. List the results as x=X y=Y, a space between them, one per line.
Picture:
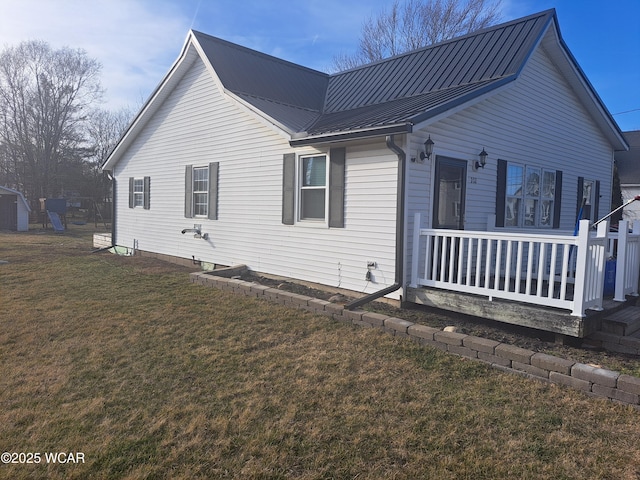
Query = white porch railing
x=625 y=246
x=562 y=271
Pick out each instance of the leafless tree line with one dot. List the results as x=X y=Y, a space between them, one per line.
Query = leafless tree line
x=413 y=24
x=53 y=135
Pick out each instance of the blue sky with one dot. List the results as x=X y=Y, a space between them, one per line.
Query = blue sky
x=137 y=40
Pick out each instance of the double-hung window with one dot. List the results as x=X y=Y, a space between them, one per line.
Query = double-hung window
x=139 y=192
x=528 y=196
x=201 y=191
x=313 y=187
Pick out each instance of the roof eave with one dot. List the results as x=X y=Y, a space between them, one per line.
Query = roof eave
x=615 y=136
x=334 y=137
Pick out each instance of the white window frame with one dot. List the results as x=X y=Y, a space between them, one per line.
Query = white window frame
x=538 y=194
x=200 y=209
x=138 y=192
x=302 y=188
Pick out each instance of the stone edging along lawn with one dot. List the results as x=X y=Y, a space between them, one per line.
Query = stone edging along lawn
x=590 y=379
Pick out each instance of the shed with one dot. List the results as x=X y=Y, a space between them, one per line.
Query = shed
x=14 y=210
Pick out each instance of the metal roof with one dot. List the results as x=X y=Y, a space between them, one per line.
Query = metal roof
x=255 y=75
x=385 y=97
x=399 y=90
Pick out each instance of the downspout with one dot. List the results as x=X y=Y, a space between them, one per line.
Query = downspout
x=113 y=214
x=113 y=208
x=402 y=160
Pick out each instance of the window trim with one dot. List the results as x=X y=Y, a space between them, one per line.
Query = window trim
x=139 y=192
x=524 y=197
x=335 y=189
x=204 y=192
x=212 y=191
x=301 y=188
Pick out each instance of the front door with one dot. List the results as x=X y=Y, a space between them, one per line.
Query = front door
x=449 y=193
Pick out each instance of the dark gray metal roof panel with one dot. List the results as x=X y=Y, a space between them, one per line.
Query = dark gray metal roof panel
x=295 y=119
x=491 y=53
x=245 y=71
x=401 y=90
x=409 y=110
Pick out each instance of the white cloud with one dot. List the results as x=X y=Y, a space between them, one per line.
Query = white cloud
x=136 y=41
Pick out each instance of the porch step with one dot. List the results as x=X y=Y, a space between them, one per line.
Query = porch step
x=624 y=322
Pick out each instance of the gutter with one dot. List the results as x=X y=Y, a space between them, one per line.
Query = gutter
x=400 y=207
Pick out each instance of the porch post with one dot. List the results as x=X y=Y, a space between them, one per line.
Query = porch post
x=415 y=254
x=600 y=259
x=635 y=230
x=582 y=251
x=621 y=261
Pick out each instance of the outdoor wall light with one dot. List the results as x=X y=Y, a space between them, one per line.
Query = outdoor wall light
x=483 y=160
x=428 y=149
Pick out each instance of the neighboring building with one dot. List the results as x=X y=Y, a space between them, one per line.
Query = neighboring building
x=629 y=173
x=14 y=210
x=317 y=177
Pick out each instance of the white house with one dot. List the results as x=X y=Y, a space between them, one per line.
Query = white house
x=14 y=210
x=242 y=158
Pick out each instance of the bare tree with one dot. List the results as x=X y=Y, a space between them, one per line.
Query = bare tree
x=415 y=24
x=45 y=96
x=103 y=130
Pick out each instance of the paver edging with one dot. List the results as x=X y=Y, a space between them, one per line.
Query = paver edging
x=594 y=380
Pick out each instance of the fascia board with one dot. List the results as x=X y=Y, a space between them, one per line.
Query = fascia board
x=569 y=66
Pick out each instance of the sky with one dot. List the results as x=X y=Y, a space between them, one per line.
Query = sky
x=137 y=41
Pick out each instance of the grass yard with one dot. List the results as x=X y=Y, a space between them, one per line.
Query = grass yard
x=151 y=377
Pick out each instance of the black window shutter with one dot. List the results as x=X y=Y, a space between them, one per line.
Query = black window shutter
x=288 y=188
x=557 y=200
x=213 y=190
x=188 y=191
x=147 y=194
x=579 y=202
x=596 y=201
x=131 y=201
x=501 y=192
x=337 y=157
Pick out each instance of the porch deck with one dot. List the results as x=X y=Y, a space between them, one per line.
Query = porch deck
x=539 y=280
x=549 y=319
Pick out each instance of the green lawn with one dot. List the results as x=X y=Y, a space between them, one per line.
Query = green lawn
x=149 y=376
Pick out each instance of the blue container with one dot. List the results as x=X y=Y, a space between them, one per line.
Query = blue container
x=610 y=277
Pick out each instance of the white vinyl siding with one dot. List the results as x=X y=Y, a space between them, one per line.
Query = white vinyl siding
x=196 y=125
x=536 y=120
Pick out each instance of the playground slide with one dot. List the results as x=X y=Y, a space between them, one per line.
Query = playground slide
x=55 y=221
